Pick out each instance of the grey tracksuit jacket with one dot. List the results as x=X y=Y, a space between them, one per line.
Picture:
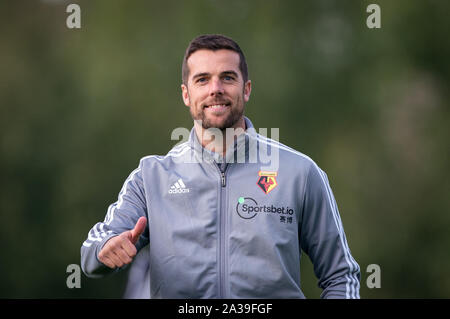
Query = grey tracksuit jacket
x=231 y=227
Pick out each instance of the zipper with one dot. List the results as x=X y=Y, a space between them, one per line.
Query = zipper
x=224 y=181
x=222 y=239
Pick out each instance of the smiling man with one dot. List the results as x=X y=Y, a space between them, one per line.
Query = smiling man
x=215 y=88
x=217 y=228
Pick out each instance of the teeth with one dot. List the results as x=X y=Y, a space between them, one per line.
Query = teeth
x=217 y=106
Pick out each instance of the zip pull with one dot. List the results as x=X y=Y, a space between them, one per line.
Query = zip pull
x=224 y=182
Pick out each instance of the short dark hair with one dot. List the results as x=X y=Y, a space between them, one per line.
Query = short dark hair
x=213 y=42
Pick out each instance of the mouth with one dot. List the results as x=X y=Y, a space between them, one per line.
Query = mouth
x=217 y=106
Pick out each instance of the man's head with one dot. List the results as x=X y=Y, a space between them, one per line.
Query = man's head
x=215 y=82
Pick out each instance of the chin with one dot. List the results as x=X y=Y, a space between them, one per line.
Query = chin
x=221 y=125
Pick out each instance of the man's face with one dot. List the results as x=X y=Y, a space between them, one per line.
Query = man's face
x=215 y=90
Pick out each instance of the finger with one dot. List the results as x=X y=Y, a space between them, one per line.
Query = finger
x=108 y=262
x=129 y=248
x=124 y=258
x=138 y=229
x=108 y=246
x=116 y=259
x=109 y=259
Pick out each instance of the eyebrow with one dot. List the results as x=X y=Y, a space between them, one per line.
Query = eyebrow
x=230 y=72
x=199 y=75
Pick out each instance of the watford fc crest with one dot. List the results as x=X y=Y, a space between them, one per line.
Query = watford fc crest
x=267 y=181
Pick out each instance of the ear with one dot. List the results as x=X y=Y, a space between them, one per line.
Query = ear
x=247 y=90
x=185 y=95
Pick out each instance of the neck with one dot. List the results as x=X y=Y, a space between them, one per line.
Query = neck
x=216 y=140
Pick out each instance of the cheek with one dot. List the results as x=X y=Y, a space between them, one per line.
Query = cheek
x=241 y=97
x=197 y=97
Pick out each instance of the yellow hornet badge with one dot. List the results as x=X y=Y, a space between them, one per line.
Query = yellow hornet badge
x=267 y=181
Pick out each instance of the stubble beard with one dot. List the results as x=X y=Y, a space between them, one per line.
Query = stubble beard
x=207 y=123
x=232 y=118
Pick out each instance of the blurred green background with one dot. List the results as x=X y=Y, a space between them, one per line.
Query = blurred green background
x=80 y=107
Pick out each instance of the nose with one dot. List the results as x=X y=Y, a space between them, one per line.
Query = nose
x=216 y=87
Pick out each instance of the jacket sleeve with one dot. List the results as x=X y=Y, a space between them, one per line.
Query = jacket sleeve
x=323 y=239
x=121 y=216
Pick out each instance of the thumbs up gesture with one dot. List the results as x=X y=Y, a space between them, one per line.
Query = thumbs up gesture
x=120 y=250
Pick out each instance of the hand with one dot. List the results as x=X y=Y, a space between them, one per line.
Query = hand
x=120 y=250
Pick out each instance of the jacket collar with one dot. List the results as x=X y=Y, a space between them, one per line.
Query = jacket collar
x=239 y=153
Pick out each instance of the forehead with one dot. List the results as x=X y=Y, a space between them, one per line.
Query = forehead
x=209 y=61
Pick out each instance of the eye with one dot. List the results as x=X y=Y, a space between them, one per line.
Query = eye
x=228 y=78
x=201 y=80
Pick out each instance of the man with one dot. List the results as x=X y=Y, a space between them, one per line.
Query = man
x=219 y=222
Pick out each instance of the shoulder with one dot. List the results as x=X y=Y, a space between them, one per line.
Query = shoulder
x=175 y=153
x=287 y=155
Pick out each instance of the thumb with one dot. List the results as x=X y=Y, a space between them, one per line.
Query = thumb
x=138 y=229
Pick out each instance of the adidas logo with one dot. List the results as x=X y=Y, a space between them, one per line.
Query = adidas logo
x=178 y=187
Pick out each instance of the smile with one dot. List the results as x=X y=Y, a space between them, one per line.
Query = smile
x=217 y=106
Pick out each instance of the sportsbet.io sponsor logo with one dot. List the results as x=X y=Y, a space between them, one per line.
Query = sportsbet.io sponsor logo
x=248 y=208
